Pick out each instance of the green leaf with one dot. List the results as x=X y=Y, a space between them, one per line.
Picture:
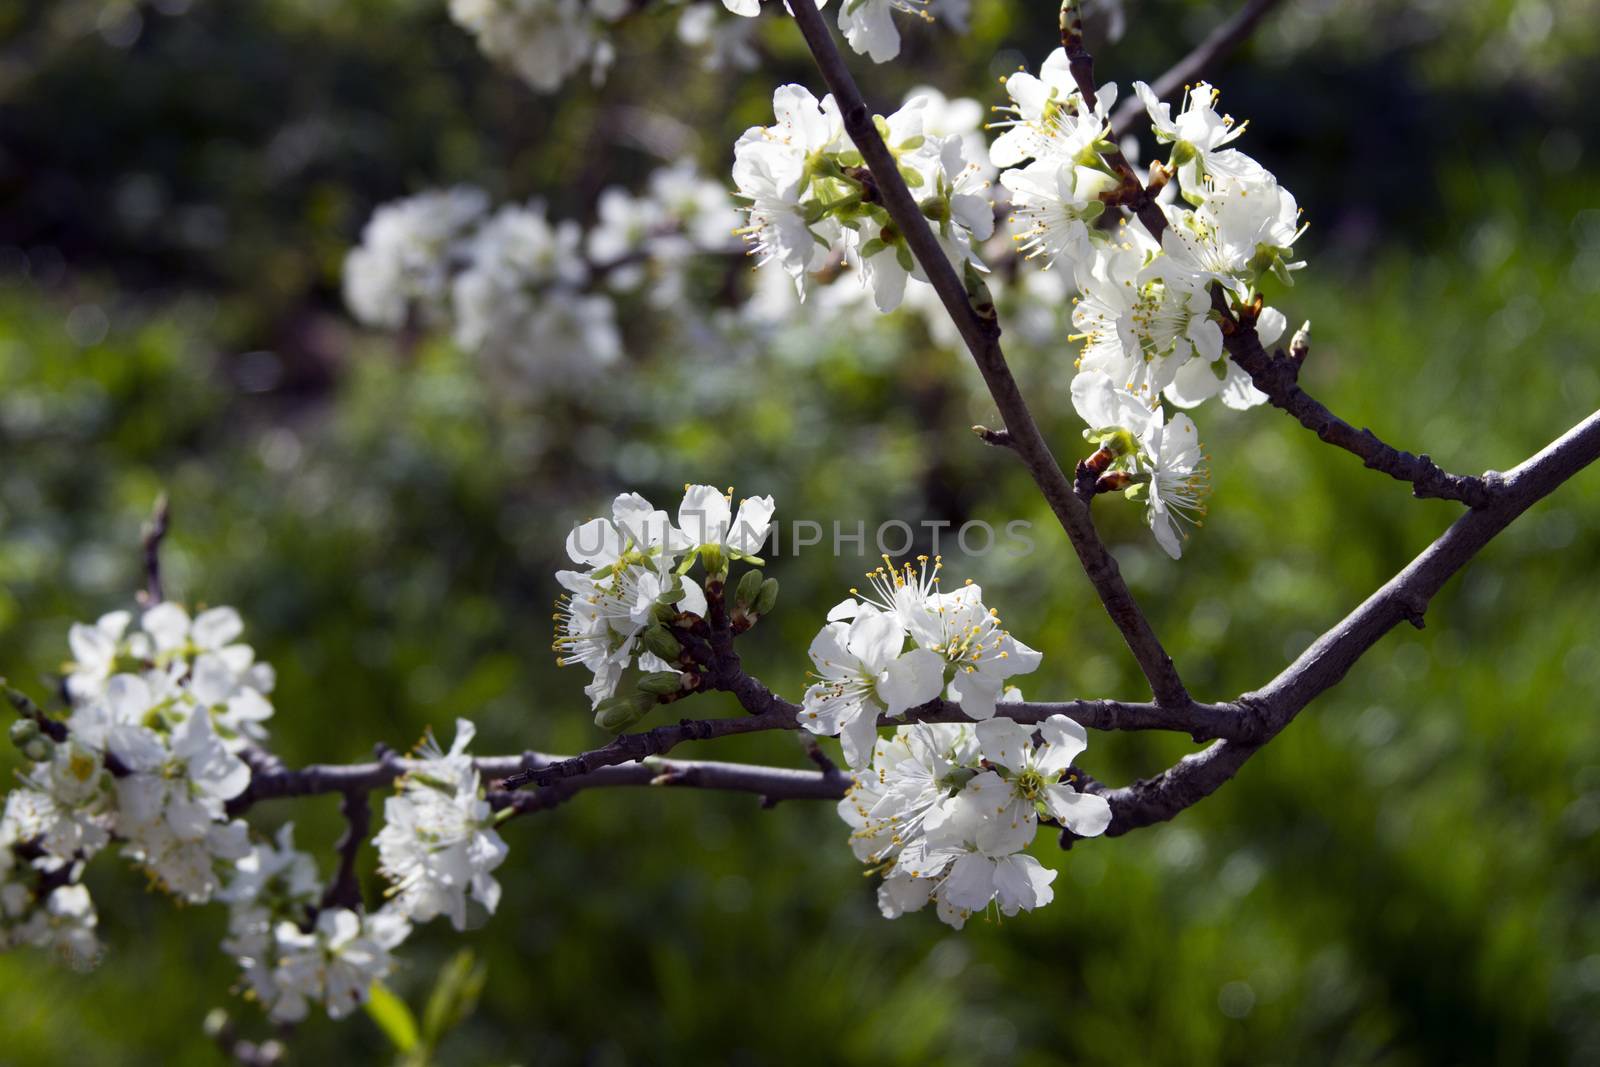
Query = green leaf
x=454 y=996
x=392 y=1017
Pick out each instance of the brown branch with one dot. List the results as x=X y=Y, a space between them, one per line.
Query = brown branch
x=1404 y=598
x=1278 y=376
x=1221 y=41
x=982 y=337
x=1251 y=721
x=779 y=783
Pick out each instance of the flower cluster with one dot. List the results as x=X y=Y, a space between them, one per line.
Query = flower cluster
x=810 y=198
x=518 y=289
x=543 y=41
x=334 y=963
x=635 y=581
x=438 y=844
x=36 y=909
x=945 y=811
x=900 y=644
x=149 y=756
x=1144 y=311
x=1152 y=459
x=869 y=24
x=159 y=715
x=292 y=951
x=273 y=888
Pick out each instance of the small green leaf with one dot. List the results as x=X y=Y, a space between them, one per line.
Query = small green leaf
x=454 y=997
x=392 y=1017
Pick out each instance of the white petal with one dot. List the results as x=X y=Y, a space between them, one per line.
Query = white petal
x=751 y=527
x=858 y=737
x=1085 y=814
x=875 y=639
x=912 y=679
x=1005 y=742
x=215 y=628
x=704 y=515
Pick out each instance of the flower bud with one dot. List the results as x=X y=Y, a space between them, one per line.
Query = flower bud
x=767 y=598
x=621 y=712
x=1300 y=343
x=20 y=701
x=659 y=641
x=30 y=742
x=661 y=683
x=749 y=587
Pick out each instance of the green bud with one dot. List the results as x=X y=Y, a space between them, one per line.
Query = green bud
x=661 y=683
x=621 y=712
x=911 y=144
x=911 y=177
x=767 y=598
x=31 y=741
x=658 y=640
x=1113 y=439
x=879 y=123
x=20 y=701
x=715 y=561
x=749 y=587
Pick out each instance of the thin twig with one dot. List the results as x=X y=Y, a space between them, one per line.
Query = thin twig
x=1404 y=598
x=1221 y=41
x=1278 y=376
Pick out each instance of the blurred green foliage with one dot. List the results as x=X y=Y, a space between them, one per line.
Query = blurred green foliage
x=1408 y=875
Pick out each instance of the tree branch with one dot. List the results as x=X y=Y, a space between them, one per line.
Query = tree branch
x=777 y=783
x=1244 y=726
x=1278 y=376
x=1404 y=598
x=1222 y=40
x=982 y=337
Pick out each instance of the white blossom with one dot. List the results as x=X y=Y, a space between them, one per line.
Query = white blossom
x=543 y=41
x=404 y=260
x=869 y=27
x=629 y=562
x=438 y=844
x=1198 y=135
x=1048 y=117
x=728 y=43
x=979 y=655
x=1162 y=458
x=272 y=883
x=863 y=670
x=334 y=963
x=944 y=812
